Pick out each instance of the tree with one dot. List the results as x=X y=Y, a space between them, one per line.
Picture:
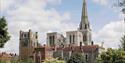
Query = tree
x=53 y=61
x=28 y=60
x=76 y=58
x=112 y=56
x=122 y=46
x=4 y=35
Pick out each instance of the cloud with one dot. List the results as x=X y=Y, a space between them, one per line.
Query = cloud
x=35 y=15
x=102 y=2
x=5 y=4
x=110 y=34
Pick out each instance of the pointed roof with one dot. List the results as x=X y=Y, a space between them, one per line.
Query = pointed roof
x=84 y=17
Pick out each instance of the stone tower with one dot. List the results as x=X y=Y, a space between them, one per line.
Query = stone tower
x=84 y=26
x=28 y=41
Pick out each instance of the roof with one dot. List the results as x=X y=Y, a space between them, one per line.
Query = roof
x=86 y=49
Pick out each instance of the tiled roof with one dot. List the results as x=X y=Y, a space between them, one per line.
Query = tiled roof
x=86 y=49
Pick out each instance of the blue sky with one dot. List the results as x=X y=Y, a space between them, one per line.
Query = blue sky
x=61 y=15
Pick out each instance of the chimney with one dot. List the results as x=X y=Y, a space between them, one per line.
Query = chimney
x=29 y=33
x=29 y=30
x=20 y=34
x=80 y=43
x=92 y=43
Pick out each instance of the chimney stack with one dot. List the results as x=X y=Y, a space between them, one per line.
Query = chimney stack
x=92 y=43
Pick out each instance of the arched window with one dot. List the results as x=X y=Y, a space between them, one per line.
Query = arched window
x=50 y=40
x=53 y=39
x=85 y=26
x=70 y=39
x=86 y=58
x=73 y=39
x=84 y=37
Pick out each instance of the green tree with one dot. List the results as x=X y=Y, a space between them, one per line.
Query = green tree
x=53 y=61
x=2 y=61
x=29 y=60
x=76 y=58
x=112 y=56
x=4 y=35
x=122 y=46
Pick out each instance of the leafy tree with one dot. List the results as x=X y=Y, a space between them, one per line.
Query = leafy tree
x=2 y=61
x=53 y=61
x=112 y=56
x=122 y=46
x=76 y=58
x=4 y=35
x=29 y=60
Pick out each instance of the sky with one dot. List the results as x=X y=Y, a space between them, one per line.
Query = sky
x=45 y=16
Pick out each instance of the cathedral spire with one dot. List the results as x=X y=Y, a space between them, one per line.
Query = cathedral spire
x=84 y=17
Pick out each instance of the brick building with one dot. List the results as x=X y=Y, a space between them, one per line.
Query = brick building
x=45 y=52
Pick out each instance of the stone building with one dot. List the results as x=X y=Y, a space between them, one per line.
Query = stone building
x=44 y=52
x=78 y=41
x=55 y=39
x=28 y=41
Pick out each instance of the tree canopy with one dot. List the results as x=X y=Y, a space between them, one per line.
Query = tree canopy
x=53 y=61
x=122 y=46
x=76 y=58
x=4 y=35
x=112 y=56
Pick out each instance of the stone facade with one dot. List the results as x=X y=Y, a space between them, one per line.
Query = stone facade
x=73 y=37
x=28 y=41
x=90 y=52
x=55 y=39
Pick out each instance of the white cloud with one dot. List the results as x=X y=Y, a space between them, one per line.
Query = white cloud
x=4 y=4
x=102 y=2
x=110 y=34
x=32 y=14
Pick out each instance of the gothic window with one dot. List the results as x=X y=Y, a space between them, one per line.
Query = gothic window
x=84 y=37
x=25 y=43
x=80 y=26
x=50 y=40
x=53 y=39
x=24 y=35
x=36 y=36
x=85 y=26
x=86 y=58
x=70 y=39
x=73 y=39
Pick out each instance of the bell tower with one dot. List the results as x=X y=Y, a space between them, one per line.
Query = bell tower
x=28 y=41
x=84 y=26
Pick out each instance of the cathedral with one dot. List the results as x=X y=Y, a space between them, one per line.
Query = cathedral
x=83 y=34
x=58 y=46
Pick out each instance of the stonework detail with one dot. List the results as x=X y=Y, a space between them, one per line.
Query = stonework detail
x=28 y=41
